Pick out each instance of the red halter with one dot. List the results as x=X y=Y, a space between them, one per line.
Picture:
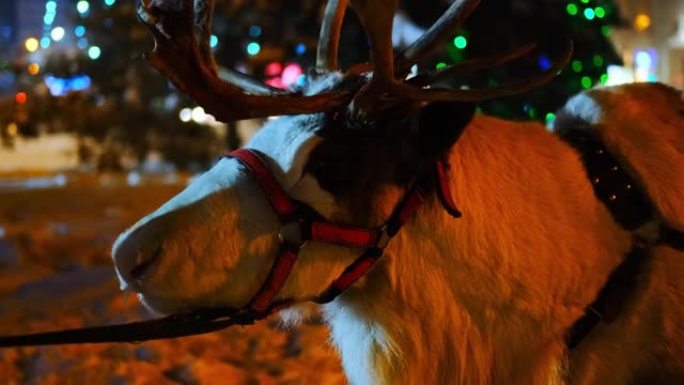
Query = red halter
x=295 y=230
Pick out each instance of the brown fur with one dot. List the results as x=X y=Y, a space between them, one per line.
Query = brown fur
x=485 y=299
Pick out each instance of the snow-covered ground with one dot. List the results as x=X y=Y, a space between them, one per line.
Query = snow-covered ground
x=55 y=272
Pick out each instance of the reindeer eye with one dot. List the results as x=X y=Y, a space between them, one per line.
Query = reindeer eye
x=330 y=174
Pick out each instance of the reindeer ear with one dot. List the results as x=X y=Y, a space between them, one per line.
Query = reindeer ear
x=439 y=125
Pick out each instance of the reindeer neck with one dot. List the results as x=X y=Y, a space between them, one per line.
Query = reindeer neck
x=487 y=298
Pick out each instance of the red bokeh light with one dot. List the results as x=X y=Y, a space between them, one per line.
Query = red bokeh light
x=20 y=97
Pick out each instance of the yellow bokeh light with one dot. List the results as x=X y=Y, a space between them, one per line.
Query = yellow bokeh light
x=33 y=68
x=31 y=44
x=12 y=129
x=641 y=22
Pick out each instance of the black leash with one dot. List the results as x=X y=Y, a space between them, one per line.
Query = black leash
x=179 y=325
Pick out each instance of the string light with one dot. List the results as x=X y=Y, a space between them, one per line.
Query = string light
x=33 y=68
x=460 y=42
x=577 y=66
x=253 y=48
x=185 y=115
x=600 y=12
x=642 y=22
x=606 y=31
x=20 y=97
x=57 y=33
x=31 y=44
x=598 y=61
x=83 y=7
x=550 y=118
x=94 y=52
x=255 y=31
x=589 y=14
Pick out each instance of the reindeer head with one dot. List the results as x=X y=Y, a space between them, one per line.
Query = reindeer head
x=353 y=144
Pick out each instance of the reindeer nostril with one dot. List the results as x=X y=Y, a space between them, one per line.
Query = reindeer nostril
x=139 y=271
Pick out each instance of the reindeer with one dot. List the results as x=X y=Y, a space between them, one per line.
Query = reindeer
x=369 y=163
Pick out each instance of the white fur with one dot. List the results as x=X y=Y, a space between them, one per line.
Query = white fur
x=485 y=299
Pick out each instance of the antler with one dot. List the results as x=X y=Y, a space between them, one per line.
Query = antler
x=182 y=29
x=471 y=65
x=407 y=91
x=329 y=41
x=454 y=16
x=377 y=17
x=384 y=89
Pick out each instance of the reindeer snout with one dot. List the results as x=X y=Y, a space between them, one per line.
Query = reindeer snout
x=135 y=253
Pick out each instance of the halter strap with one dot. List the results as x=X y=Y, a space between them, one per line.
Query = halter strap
x=292 y=218
x=290 y=215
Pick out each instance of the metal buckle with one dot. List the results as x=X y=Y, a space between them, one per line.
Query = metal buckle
x=384 y=238
x=293 y=234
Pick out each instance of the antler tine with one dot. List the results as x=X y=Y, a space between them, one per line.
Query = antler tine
x=477 y=95
x=204 y=15
x=475 y=64
x=454 y=16
x=181 y=30
x=377 y=17
x=329 y=41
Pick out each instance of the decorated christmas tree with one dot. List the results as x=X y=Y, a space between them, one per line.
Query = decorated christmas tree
x=505 y=25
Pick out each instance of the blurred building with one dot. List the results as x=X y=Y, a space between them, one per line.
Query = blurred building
x=8 y=25
x=23 y=19
x=652 y=44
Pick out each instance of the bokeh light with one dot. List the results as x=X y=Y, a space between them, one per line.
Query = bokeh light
x=642 y=22
x=460 y=42
x=94 y=52
x=83 y=6
x=253 y=48
x=31 y=44
x=33 y=68
x=57 y=33
x=20 y=97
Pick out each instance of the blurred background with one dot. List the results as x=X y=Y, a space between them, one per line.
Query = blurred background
x=92 y=138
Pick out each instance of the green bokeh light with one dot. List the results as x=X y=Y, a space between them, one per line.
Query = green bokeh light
x=550 y=118
x=577 y=66
x=600 y=12
x=606 y=31
x=460 y=42
x=586 y=82
x=599 y=61
x=589 y=14
x=572 y=9
x=253 y=48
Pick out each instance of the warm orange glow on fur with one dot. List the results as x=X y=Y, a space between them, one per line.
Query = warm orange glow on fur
x=485 y=299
